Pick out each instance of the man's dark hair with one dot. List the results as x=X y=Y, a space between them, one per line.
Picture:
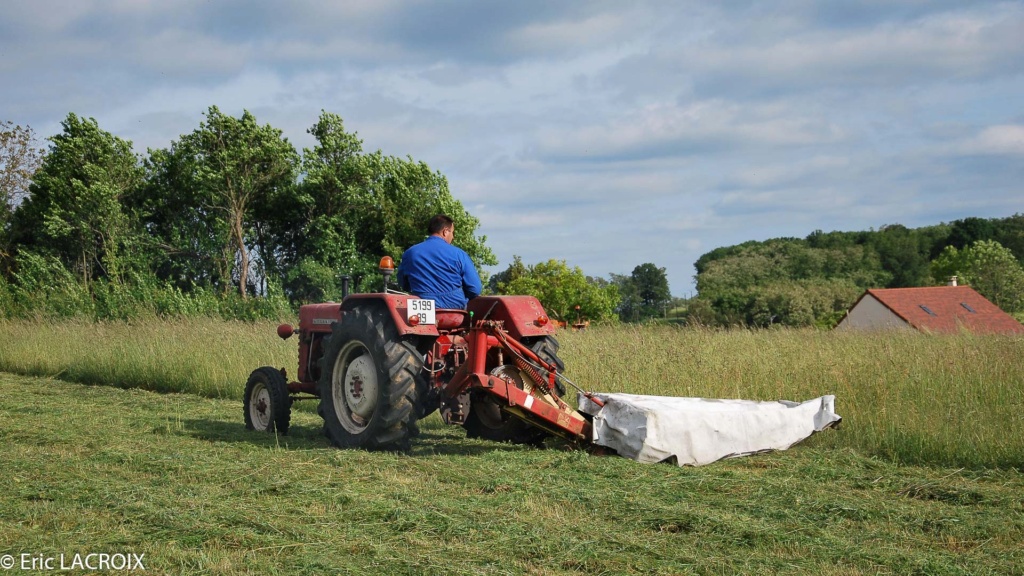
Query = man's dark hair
x=438 y=223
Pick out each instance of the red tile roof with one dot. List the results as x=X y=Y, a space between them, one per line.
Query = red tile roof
x=951 y=308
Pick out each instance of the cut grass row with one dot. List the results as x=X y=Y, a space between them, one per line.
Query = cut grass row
x=913 y=398
x=92 y=469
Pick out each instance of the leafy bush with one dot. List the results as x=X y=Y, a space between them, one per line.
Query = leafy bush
x=6 y=298
x=43 y=287
x=988 y=267
x=561 y=289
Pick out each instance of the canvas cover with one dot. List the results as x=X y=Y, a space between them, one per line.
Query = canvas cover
x=697 y=431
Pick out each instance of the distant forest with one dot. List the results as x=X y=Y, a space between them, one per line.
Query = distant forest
x=814 y=280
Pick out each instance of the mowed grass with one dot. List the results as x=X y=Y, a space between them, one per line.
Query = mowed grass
x=908 y=397
x=96 y=469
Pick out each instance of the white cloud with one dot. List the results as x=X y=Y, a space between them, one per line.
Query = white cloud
x=818 y=168
x=591 y=32
x=1004 y=139
x=702 y=127
x=777 y=49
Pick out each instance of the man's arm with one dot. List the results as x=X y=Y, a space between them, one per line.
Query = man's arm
x=401 y=277
x=471 y=285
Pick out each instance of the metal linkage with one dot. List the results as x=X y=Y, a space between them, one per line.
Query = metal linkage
x=531 y=369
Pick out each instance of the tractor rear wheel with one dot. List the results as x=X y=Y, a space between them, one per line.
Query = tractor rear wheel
x=265 y=402
x=368 y=384
x=487 y=420
x=547 y=348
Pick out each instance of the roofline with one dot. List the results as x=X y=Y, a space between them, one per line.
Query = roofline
x=883 y=303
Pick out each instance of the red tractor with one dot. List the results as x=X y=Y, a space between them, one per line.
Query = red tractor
x=379 y=362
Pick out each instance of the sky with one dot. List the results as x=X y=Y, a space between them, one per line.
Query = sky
x=603 y=133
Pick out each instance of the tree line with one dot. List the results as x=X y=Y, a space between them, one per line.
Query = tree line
x=570 y=295
x=814 y=280
x=227 y=211
x=231 y=219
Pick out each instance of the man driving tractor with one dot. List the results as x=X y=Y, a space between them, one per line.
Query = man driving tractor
x=436 y=270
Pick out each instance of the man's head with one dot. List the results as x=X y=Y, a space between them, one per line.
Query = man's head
x=442 y=226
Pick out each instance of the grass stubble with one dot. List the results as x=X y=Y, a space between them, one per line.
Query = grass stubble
x=923 y=477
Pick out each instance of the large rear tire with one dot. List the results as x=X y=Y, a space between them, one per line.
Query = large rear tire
x=266 y=403
x=547 y=348
x=487 y=420
x=368 y=384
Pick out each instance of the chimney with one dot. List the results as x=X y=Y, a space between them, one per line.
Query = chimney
x=952 y=281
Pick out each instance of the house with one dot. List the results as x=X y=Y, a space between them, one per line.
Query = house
x=938 y=309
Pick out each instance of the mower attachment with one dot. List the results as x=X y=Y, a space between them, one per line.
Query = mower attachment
x=697 y=431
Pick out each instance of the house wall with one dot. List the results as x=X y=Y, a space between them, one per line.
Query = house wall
x=871 y=314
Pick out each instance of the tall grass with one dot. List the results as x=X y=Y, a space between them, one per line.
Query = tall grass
x=208 y=357
x=905 y=396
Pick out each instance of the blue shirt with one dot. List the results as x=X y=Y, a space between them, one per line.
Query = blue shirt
x=436 y=270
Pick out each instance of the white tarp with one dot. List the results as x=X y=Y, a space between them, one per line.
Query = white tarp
x=697 y=431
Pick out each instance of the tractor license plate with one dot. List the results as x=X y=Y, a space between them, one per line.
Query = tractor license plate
x=424 y=309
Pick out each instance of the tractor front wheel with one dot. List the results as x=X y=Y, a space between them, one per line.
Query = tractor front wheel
x=368 y=384
x=266 y=403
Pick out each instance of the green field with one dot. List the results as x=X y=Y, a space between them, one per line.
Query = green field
x=907 y=397
x=924 y=476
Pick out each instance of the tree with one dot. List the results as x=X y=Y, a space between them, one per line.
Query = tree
x=788 y=280
x=629 y=301
x=357 y=207
x=1010 y=233
x=964 y=233
x=186 y=235
x=226 y=170
x=514 y=271
x=318 y=230
x=903 y=254
x=227 y=210
x=74 y=206
x=652 y=290
x=561 y=288
x=19 y=160
x=404 y=195
x=987 y=267
x=801 y=303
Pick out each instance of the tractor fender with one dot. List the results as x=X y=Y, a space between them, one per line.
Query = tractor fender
x=523 y=316
x=394 y=305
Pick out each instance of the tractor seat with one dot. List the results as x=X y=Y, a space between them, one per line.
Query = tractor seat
x=451 y=318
